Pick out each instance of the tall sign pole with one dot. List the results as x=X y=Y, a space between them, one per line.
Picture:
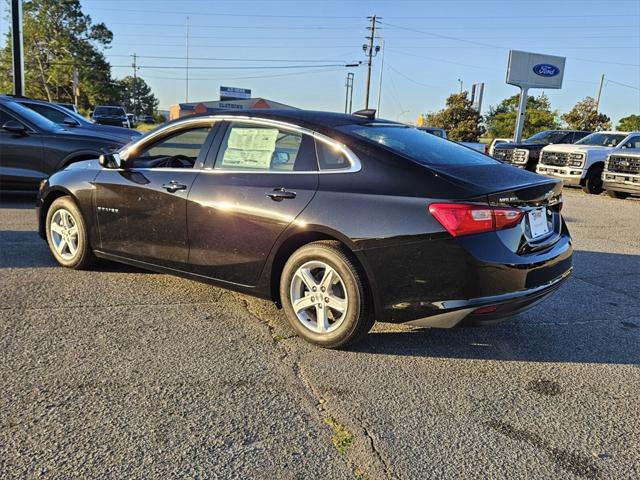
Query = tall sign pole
x=532 y=70
x=18 y=58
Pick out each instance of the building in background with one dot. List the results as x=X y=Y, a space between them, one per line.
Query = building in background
x=183 y=109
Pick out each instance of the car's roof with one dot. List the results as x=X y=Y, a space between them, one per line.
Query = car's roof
x=306 y=118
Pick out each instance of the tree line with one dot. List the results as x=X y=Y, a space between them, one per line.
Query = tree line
x=59 y=39
x=465 y=124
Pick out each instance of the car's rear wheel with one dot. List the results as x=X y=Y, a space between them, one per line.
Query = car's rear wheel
x=324 y=296
x=67 y=235
x=620 y=195
x=593 y=182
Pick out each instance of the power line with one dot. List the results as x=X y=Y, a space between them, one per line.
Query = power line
x=231 y=59
x=347 y=17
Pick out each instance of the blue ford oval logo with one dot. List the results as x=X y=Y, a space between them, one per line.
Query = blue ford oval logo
x=546 y=70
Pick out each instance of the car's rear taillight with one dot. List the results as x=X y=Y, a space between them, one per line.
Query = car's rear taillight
x=465 y=219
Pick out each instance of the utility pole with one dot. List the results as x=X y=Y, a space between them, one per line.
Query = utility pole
x=371 y=52
x=380 y=79
x=460 y=81
x=599 y=92
x=135 y=84
x=187 y=75
x=349 y=93
x=18 y=57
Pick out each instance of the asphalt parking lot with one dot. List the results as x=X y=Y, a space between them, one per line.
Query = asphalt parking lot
x=123 y=373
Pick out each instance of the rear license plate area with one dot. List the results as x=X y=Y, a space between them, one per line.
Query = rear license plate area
x=538 y=225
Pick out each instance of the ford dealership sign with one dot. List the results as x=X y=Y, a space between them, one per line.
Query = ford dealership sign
x=546 y=70
x=535 y=70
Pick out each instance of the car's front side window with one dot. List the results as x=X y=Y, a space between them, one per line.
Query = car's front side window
x=249 y=146
x=178 y=150
x=52 y=114
x=633 y=142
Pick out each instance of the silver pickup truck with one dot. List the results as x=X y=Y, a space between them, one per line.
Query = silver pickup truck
x=442 y=133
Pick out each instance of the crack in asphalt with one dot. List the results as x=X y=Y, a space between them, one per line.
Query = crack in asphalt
x=377 y=465
x=621 y=292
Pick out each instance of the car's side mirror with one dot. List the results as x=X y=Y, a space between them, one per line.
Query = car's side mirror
x=70 y=122
x=14 y=126
x=111 y=160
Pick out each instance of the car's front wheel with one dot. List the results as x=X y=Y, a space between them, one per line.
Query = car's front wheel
x=324 y=295
x=593 y=182
x=67 y=235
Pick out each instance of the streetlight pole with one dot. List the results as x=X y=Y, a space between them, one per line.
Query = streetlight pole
x=187 y=69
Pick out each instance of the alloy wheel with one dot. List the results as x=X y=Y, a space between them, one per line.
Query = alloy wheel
x=319 y=297
x=64 y=234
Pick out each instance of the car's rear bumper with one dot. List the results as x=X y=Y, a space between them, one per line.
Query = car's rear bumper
x=499 y=307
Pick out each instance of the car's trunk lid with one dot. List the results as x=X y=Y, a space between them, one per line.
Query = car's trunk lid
x=505 y=186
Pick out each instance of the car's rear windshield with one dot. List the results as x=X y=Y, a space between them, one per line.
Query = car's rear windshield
x=109 y=111
x=602 y=139
x=418 y=145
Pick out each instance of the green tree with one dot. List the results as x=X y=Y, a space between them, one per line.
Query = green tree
x=584 y=116
x=458 y=118
x=136 y=96
x=501 y=119
x=630 y=123
x=58 y=39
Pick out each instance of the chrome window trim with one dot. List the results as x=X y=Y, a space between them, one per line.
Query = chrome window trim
x=150 y=138
x=355 y=164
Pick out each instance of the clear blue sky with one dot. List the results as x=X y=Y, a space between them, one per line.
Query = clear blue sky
x=430 y=44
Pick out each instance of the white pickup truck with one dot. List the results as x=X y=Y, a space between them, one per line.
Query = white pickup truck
x=581 y=164
x=442 y=133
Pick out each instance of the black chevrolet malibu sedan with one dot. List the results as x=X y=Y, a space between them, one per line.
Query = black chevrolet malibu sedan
x=339 y=219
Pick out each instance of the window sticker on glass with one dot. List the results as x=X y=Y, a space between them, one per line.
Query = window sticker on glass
x=250 y=148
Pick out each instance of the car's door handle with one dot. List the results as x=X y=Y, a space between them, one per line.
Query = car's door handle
x=173 y=186
x=279 y=194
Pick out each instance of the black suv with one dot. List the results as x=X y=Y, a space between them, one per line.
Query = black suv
x=69 y=119
x=526 y=153
x=33 y=147
x=109 y=115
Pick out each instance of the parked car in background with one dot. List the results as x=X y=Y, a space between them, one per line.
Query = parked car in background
x=582 y=164
x=621 y=176
x=69 y=106
x=340 y=219
x=526 y=153
x=110 y=115
x=71 y=120
x=33 y=147
x=495 y=142
x=146 y=119
x=442 y=133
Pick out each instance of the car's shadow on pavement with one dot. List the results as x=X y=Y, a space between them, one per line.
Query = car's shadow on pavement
x=25 y=249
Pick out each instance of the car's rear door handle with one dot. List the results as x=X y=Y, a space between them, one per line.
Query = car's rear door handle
x=173 y=186
x=279 y=194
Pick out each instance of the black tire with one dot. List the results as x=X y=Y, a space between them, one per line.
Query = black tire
x=620 y=195
x=593 y=182
x=83 y=256
x=358 y=318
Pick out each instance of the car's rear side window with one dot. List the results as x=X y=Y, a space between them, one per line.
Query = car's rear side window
x=420 y=146
x=330 y=157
